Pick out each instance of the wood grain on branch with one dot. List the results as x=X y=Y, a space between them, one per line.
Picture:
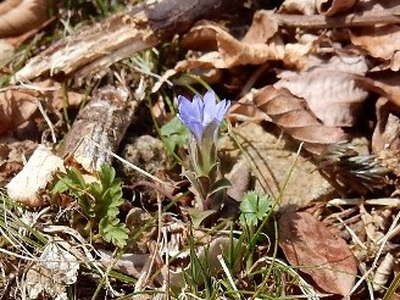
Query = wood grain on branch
x=389 y=16
x=99 y=128
x=121 y=36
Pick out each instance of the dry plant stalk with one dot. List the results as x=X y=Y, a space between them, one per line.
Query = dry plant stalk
x=120 y=36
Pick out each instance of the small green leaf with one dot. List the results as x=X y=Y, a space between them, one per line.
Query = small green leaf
x=220 y=185
x=199 y=216
x=113 y=231
x=254 y=208
x=106 y=175
x=175 y=134
x=59 y=188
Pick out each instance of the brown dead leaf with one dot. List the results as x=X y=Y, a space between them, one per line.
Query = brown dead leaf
x=19 y=16
x=387 y=129
x=239 y=177
x=252 y=49
x=245 y=110
x=386 y=85
x=386 y=136
x=292 y=115
x=380 y=42
x=332 y=7
x=305 y=7
x=263 y=28
x=308 y=244
x=200 y=37
x=329 y=89
x=16 y=107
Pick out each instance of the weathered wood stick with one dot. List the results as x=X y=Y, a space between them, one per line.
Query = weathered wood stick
x=388 y=16
x=103 y=121
x=121 y=36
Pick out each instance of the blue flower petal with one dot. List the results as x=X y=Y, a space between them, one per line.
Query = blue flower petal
x=203 y=115
x=221 y=109
x=209 y=108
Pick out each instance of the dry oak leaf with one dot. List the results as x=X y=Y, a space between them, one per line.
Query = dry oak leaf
x=16 y=107
x=292 y=115
x=330 y=90
x=308 y=244
x=380 y=42
x=386 y=85
x=332 y=7
x=305 y=7
x=19 y=16
x=256 y=47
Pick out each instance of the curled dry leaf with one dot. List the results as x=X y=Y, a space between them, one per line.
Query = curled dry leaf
x=329 y=89
x=55 y=269
x=200 y=37
x=292 y=115
x=252 y=49
x=380 y=42
x=262 y=28
x=386 y=136
x=308 y=244
x=19 y=16
x=332 y=7
x=386 y=85
x=20 y=104
x=305 y=7
x=16 y=107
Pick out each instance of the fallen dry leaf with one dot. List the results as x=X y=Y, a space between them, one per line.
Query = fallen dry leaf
x=257 y=47
x=379 y=41
x=332 y=7
x=387 y=130
x=262 y=28
x=16 y=107
x=309 y=245
x=329 y=89
x=386 y=137
x=305 y=7
x=200 y=37
x=386 y=85
x=292 y=115
x=19 y=16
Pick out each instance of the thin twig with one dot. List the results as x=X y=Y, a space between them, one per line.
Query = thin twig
x=389 y=16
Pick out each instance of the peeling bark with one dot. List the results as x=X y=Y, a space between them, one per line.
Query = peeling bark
x=104 y=122
x=121 y=36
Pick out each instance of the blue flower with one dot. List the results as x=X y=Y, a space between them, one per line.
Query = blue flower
x=203 y=115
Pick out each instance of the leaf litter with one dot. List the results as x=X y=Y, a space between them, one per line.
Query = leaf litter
x=301 y=197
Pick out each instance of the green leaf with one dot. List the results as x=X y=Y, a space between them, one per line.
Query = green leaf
x=220 y=185
x=106 y=175
x=59 y=188
x=74 y=177
x=254 y=208
x=100 y=201
x=175 y=134
x=199 y=216
x=113 y=231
